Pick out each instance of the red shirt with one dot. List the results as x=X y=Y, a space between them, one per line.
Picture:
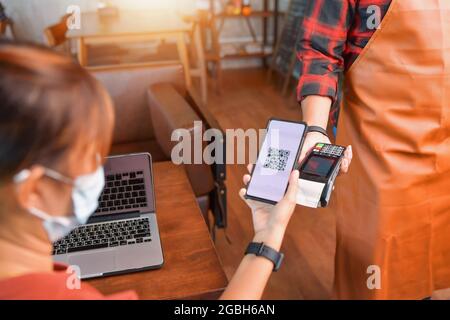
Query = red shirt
x=53 y=286
x=332 y=35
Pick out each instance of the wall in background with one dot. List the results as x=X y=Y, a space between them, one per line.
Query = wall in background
x=31 y=17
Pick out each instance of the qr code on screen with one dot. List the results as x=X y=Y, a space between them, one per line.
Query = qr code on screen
x=277 y=159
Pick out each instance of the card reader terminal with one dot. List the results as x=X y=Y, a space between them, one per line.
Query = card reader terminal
x=317 y=175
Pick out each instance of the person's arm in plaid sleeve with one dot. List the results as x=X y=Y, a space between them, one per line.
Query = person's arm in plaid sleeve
x=323 y=37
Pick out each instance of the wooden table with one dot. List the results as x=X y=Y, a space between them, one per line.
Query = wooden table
x=132 y=26
x=191 y=269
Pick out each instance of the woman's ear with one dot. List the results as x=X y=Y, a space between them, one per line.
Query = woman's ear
x=27 y=190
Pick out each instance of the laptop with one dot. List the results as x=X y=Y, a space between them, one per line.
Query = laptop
x=122 y=235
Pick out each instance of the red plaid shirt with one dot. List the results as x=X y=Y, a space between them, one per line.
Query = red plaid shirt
x=333 y=34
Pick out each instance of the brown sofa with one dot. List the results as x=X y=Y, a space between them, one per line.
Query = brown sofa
x=150 y=102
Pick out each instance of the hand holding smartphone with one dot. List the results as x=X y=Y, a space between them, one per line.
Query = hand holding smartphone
x=277 y=158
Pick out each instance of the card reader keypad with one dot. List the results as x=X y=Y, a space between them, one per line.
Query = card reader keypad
x=329 y=150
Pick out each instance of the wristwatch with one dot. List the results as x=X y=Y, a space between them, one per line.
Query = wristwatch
x=317 y=129
x=261 y=250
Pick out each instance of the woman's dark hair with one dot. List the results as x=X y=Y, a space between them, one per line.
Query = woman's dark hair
x=47 y=102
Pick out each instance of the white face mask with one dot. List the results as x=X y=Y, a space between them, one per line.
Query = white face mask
x=85 y=193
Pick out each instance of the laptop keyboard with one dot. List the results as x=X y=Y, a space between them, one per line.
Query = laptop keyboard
x=104 y=235
x=123 y=191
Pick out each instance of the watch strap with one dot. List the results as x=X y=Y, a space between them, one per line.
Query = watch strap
x=317 y=129
x=261 y=250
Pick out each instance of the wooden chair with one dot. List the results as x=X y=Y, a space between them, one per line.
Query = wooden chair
x=4 y=24
x=198 y=56
x=55 y=35
x=209 y=34
x=99 y=55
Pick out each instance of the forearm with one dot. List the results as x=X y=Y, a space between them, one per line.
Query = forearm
x=250 y=279
x=253 y=273
x=316 y=110
x=321 y=57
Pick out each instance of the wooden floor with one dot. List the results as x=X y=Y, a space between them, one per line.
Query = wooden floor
x=248 y=101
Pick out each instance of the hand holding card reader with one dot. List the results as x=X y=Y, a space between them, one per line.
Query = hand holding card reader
x=317 y=175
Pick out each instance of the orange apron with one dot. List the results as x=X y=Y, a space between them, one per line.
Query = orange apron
x=393 y=208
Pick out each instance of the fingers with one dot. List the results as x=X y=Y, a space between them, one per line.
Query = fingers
x=349 y=152
x=291 y=193
x=246 y=179
x=345 y=164
x=250 y=167
x=285 y=208
x=242 y=193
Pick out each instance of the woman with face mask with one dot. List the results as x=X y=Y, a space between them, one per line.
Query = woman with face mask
x=56 y=126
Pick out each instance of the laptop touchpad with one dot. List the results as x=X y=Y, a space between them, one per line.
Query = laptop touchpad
x=94 y=263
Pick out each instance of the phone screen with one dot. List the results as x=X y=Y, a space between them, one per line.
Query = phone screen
x=276 y=160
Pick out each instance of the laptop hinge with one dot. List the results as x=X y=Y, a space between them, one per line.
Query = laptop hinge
x=118 y=216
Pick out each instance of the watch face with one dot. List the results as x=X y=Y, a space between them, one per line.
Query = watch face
x=318 y=166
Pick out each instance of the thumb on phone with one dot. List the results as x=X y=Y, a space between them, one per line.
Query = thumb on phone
x=291 y=194
x=285 y=208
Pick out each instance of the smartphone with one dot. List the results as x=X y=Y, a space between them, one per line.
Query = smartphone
x=277 y=158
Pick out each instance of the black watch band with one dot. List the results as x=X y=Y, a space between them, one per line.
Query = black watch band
x=261 y=250
x=317 y=129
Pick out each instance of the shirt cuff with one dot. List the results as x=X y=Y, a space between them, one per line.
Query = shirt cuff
x=325 y=88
